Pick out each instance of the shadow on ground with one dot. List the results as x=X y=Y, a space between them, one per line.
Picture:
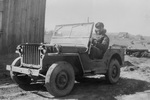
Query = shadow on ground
x=97 y=89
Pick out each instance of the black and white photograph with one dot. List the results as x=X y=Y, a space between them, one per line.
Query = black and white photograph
x=74 y=49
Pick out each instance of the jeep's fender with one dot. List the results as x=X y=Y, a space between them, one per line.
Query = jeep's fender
x=15 y=61
x=71 y=58
x=114 y=54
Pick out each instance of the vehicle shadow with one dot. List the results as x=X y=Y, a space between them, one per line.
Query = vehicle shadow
x=101 y=90
x=92 y=89
x=33 y=87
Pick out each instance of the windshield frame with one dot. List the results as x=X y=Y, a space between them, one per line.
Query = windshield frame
x=58 y=27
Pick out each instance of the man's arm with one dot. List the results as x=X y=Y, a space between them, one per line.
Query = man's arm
x=104 y=44
x=105 y=41
x=93 y=41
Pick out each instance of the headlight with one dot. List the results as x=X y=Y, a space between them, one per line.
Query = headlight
x=42 y=49
x=19 y=49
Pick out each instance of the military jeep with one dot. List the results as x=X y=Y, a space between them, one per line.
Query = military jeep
x=64 y=60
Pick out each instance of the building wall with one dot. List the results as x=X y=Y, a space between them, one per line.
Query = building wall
x=22 y=22
x=1 y=13
x=0 y=21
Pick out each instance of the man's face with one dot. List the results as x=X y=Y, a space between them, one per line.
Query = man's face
x=98 y=31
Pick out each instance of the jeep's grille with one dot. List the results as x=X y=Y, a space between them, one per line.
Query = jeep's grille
x=31 y=54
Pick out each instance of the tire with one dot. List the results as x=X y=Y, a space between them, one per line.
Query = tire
x=113 y=74
x=17 y=77
x=60 y=79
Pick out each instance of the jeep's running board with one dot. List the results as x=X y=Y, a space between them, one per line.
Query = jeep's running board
x=33 y=72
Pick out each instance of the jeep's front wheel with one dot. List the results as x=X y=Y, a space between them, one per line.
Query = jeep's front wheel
x=60 y=79
x=113 y=73
x=20 y=79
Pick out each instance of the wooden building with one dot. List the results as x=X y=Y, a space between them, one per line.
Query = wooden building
x=21 y=21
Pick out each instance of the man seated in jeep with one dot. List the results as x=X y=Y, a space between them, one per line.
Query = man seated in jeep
x=100 y=42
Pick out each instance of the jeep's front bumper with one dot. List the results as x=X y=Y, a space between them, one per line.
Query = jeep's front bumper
x=28 y=71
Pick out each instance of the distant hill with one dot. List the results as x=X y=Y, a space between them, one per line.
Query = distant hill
x=129 y=40
x=139 y=37
x=124 y=35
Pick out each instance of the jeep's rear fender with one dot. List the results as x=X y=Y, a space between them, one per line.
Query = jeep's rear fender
x=73 y=59
x=115 y=54
x=118 y=57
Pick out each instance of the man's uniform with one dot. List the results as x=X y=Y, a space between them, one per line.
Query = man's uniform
x=100 y=45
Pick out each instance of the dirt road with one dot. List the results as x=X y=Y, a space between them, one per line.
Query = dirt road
x=134 y=84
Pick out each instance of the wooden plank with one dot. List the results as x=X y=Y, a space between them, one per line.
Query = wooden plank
x=15 y=22
x=23 y=21
x=17 y=26
x=3 y=44
x=12 y=38
x=1 y=30
x=43 y=24
x=28 y=20
x=5 y=25
x=31 y=32
x=1 y=6
x=34 y=33
x=31 y=29
x=0 y=22
x=35 y=21
x=42 y=19
x=38 y=21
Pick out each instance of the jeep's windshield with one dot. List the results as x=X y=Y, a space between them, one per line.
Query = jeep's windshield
x=77 y=34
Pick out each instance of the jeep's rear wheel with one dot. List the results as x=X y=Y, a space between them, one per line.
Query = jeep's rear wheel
x=60 y=79
x=20 y=79
x=113 y=73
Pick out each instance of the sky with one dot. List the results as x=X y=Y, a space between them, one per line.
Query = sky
x=132 y=16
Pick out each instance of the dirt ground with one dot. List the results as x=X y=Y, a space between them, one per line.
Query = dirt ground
x=134 y=84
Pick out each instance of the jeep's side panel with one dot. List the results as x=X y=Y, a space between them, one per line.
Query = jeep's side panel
x=100 y=66
x=96 y=66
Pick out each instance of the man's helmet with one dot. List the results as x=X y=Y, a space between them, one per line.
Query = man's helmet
x=99 y=25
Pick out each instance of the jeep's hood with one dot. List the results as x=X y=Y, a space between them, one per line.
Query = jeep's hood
x=65 y=48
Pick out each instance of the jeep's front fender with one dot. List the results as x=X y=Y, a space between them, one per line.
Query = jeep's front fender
x=16 y=60
x=72 y=58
